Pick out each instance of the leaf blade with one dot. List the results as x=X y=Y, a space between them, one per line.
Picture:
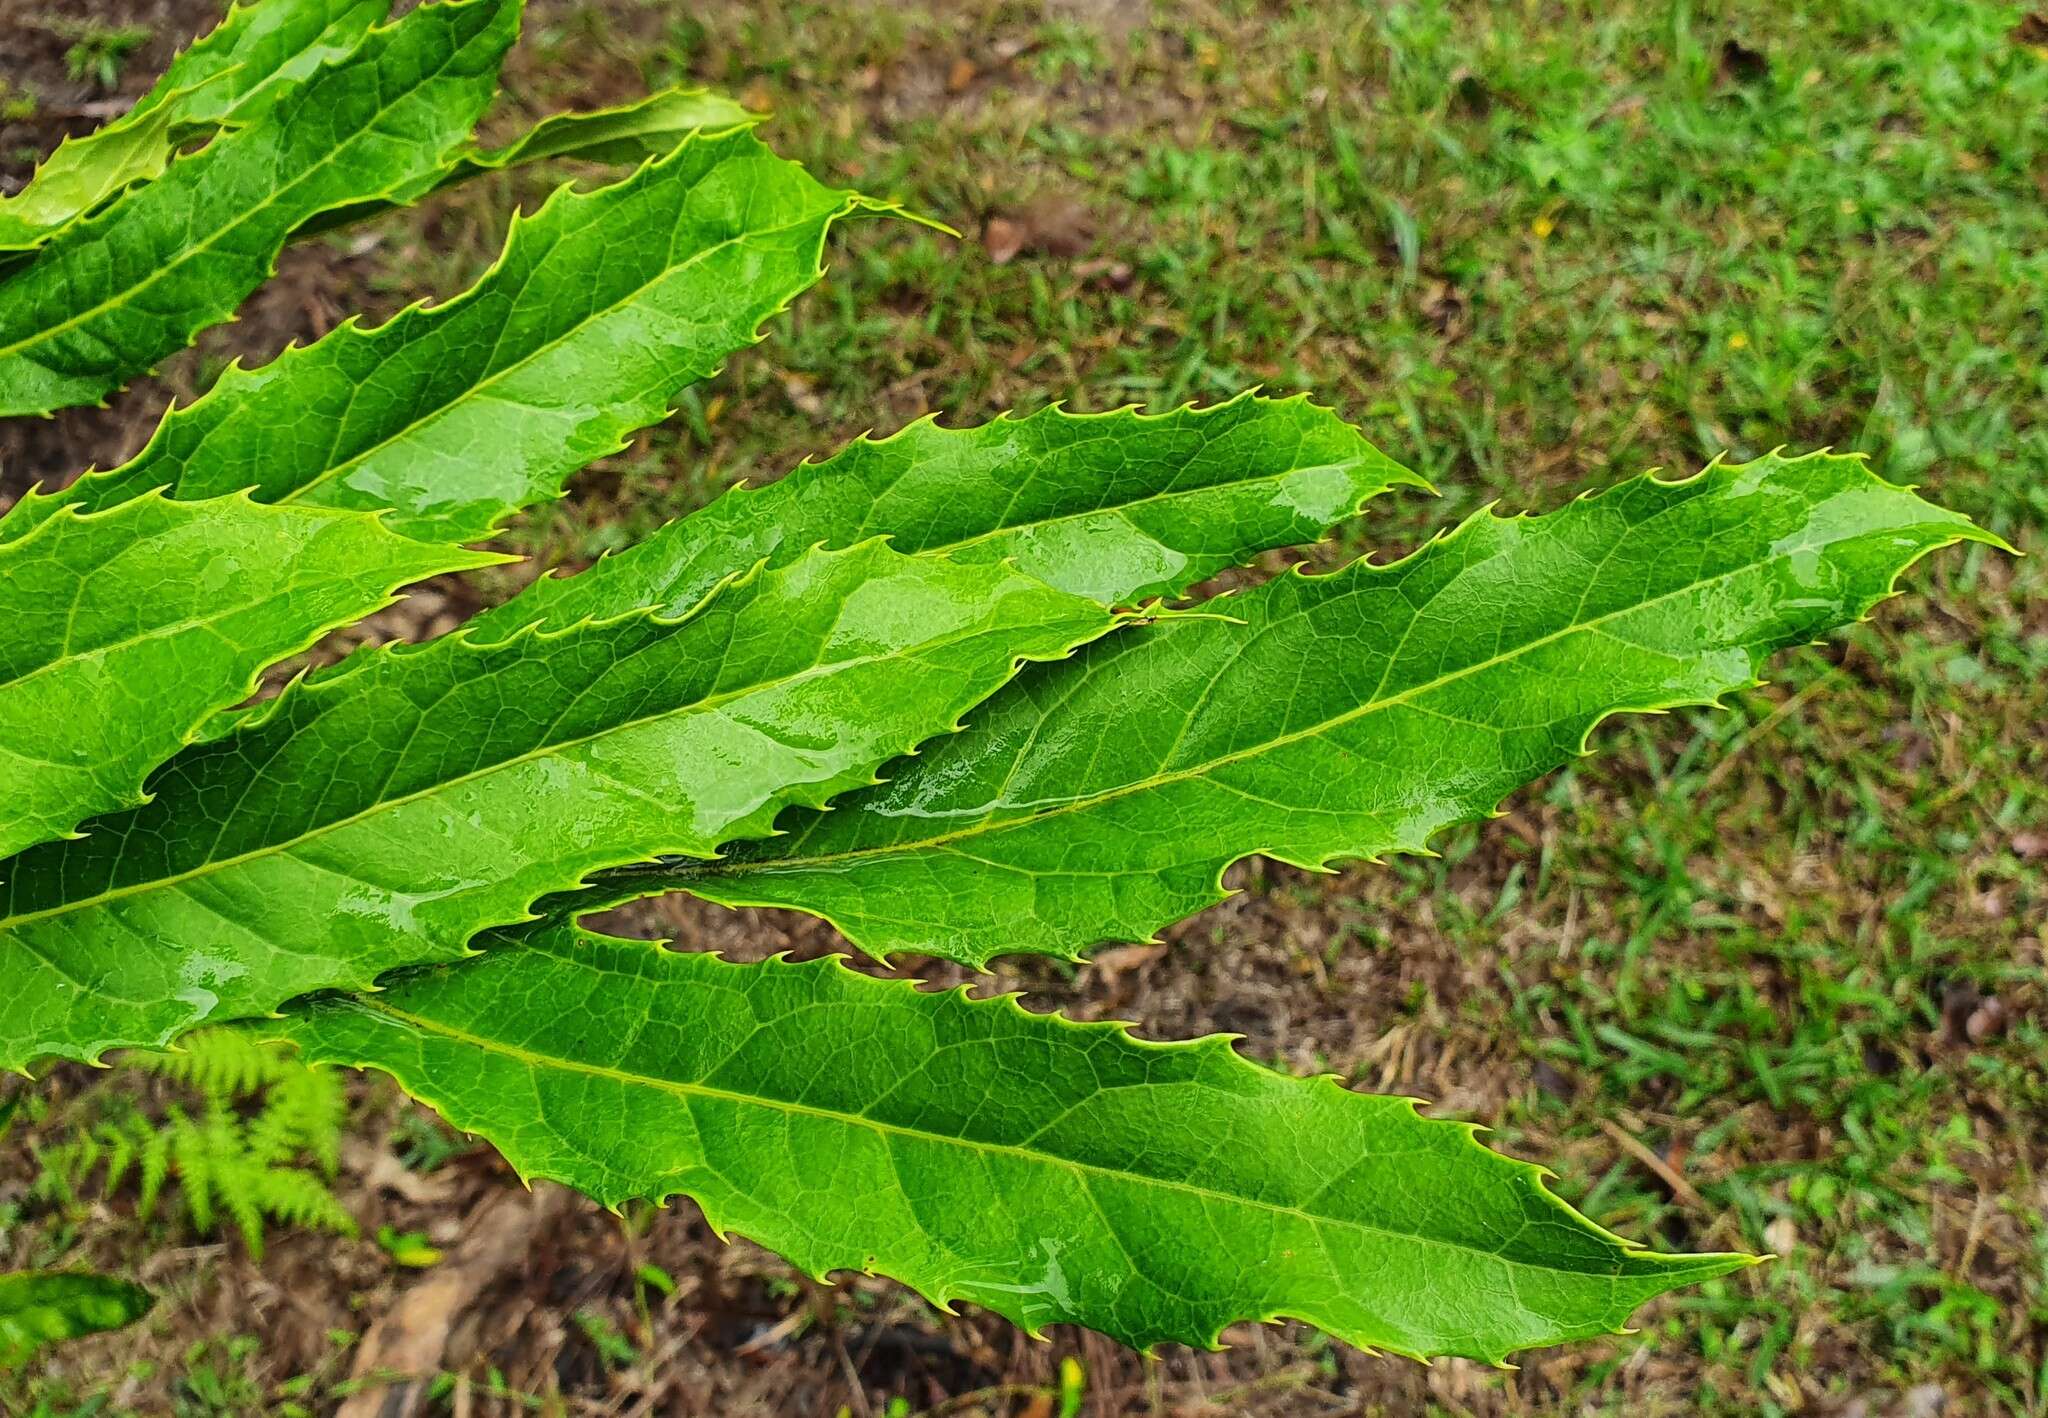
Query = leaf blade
x=635 y=132
x=1324 y=726
x=257 y=52
x=124 y=631
x=384 y=815
x=39 y=1307
x=227 y=75
x=1054 y=1172
x=602 y=307
x=109 y=296
x=626 y=135
x=1118 y=507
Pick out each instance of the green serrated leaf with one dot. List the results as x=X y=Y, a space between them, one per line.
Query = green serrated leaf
x=625 y=136
x=82 y=173
x=1340 y=716
x=629 y=133
x=111 y=295
x=122 y=631
x=604 y=305
x=258 y=52
x=384 y=815
x=230 y=75
x=1119 y=507
x=39 y=1307
x=1051 y=1171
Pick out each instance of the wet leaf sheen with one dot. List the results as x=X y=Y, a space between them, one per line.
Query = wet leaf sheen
x=384 y=815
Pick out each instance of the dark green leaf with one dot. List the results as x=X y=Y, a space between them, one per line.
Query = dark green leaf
x=604 y=305
x=111 y=295
x=1341 y=716
x=1119 y=506
x=229 y=76
x=39 y=1307
x=121 y=632
x=384 y=815
x=1054 y=1172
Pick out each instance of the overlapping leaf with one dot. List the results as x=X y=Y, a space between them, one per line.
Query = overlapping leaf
x=385 y=815
x=604 y=305
x=627 y=135
x=122 y=631
x=1054 y=1172
x=39 y=1307
x=257 y=54
x=109 y=296
x=1119 y=507
x=230 y=75
x=1346 y=716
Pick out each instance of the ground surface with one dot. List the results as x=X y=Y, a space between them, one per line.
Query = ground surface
x=1771 y=978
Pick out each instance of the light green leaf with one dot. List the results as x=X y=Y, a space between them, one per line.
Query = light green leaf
x=39 y=1307
x=114 y=293
x=1344 y=716
x=604 y=305
x=121 y=632
x=630 y=133
x=260 y=50
x=1118 y=507
x=1051 y=1171
x=230 y=75
x=81 y=174
x=625 y=136
x=384 y=815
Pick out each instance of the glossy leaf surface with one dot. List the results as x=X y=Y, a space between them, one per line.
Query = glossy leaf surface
x=123 y=631
x=109 y=296
x=229 y=75
x=1118 y=507
x=627 y=135
x=604 y=305
x=384 y=815
x=1051 y=1171
x=1346 y=716
x=257 y=54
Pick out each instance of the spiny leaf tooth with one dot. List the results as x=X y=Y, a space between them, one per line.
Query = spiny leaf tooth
x=706 y=1072
x=275 y=865
x=1373 y=750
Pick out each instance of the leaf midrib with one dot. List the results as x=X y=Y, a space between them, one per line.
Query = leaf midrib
x=253 y=85
x=710 y=703
x=679 y=574
x=771 y=866
x=1117 y=509
x=535 y=1059
x=478 y=390
x=129 y=294
x=347 y=576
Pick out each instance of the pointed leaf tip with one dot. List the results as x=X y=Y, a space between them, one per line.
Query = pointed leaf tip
x=1050 y=1171
x=1348 y=716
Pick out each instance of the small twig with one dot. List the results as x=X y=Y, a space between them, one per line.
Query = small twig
x=1681 y=1189
x=1764 y=726
x=655 y=1363
x=856 y=1389
x=1294 y=1376
x=782 y=1329
x=984 y=1395
x=1974 y=1237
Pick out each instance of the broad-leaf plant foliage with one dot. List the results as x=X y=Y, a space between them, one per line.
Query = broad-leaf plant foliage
x=943 y=689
